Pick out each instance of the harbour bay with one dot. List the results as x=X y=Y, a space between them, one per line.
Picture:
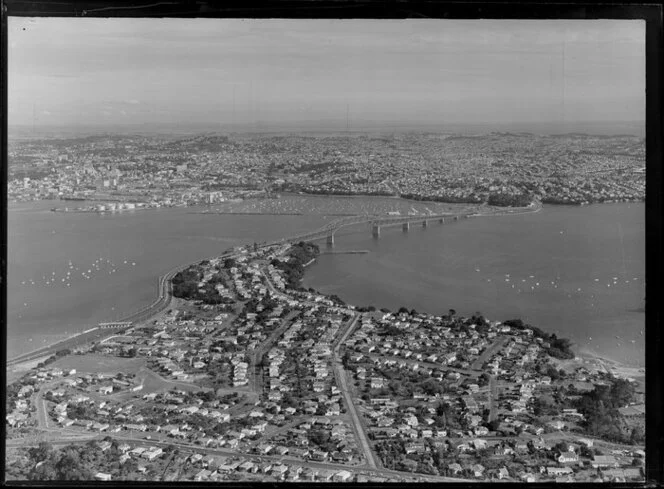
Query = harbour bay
x=575 y=271
x=42 y=244
x=470 y=265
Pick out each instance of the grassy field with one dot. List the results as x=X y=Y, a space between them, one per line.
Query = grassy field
x=96 y=363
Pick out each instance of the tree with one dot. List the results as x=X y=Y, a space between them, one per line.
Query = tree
x=552 y=372
x=43 y=471
x=561 y=447
x=70 y=468
x=408 y=465
x=432 y=387
x=41 y=452
x=637 y=435
x=443 y=408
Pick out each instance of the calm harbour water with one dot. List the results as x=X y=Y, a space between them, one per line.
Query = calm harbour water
x=470 y=265
x=43 y=243
x=575 y=271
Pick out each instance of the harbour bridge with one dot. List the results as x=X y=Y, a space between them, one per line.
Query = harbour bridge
x=375 y=222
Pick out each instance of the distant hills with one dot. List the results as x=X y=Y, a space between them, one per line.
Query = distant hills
x=574 y=129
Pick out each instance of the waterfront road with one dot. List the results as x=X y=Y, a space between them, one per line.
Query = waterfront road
x=163 y=300
x=91 y=335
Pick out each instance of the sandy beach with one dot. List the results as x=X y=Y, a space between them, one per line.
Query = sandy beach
x=612 y=366
x=594 y=362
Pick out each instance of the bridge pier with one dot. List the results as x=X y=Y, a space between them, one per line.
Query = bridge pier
x=405 y=227
x=375 y=231
x=425 y=223
x=330 y=240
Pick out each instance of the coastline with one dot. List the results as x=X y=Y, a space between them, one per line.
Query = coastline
x=606 y=363
x=614 y=367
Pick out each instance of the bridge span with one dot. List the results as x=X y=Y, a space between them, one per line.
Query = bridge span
x=376 y=222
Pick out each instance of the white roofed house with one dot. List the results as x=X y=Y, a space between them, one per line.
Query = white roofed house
x=478 y=470
x=152 y=453
x=411 y=420
x=558 y=471
x=342 y=476
x=568 y=457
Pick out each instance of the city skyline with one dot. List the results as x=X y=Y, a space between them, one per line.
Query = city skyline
x=240 y=72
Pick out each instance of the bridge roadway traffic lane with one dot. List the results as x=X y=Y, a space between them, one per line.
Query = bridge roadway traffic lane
x=334 y=226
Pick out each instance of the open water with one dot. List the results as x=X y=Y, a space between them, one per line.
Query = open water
x=67 y=272
x=576 y=271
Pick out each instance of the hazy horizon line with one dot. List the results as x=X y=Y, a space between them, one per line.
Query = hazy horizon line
x=341 y=126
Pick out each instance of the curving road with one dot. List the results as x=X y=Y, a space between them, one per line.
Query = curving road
x=161 y=303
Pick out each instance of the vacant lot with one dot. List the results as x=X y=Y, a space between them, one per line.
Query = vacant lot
x=96 y=363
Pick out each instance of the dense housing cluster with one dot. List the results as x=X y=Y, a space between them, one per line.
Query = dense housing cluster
x=130 y=172
x=276 y=382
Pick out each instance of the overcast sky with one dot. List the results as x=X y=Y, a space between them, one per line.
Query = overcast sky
x=113 y=71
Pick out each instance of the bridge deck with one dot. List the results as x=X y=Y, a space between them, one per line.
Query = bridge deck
x=331 y=228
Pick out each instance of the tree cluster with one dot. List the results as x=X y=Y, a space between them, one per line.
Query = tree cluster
x=509 y=200
x=450 y=199
x=186 y=286
x=70 y=463
x=558 y=347
x=293 y=269
x=600 y=409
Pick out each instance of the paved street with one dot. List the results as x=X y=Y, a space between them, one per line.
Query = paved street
x=489 y=352
x=342 y=382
